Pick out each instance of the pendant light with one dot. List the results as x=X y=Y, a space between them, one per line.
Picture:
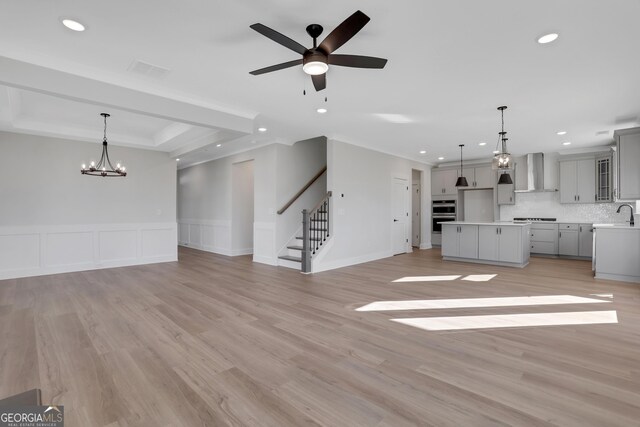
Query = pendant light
x=503 y=159
x=104 y=167
x=462 y=181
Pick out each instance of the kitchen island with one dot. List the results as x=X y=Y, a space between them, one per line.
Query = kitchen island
x=496 y=243
x=617 y=252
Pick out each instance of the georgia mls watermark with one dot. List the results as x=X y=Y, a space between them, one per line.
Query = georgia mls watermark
x=32 y=416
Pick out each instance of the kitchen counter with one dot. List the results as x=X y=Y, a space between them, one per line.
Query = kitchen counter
x=617 y=226
x=496 y=243
x=495 y=223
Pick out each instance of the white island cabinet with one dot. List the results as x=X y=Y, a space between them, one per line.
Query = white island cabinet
x=495 y=243
x=617 y=252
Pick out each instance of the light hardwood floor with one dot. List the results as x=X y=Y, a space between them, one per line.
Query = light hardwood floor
x=212 y=341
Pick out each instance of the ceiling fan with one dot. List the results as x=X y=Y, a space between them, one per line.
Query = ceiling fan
x=315 y=61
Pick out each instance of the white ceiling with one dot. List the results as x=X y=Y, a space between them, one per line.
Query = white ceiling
x=450 y=65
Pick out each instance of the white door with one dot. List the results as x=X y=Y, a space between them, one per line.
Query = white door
x=415 y=215
x=400 y=215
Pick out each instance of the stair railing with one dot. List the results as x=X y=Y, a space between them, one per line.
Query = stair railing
x=316 y=228
x=302 y=190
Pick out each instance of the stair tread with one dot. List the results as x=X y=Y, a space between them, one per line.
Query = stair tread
x=290 y=258
x=312 y=238
x=318 y=229
x=297 y=248
x=319 y=220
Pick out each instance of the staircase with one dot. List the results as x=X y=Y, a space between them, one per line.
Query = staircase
x=315 y=232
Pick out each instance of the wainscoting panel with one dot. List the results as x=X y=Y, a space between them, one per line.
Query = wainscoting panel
x=118 y=245
x=264 y=243
x=38 y=250
x=19 y=252
x=207 y=235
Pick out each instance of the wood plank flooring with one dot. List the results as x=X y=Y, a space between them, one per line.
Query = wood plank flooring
x=215 y=341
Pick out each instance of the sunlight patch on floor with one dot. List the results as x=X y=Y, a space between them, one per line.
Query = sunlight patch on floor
x=479 y=277
x=477 y=302
x=426 y=279
x=602 y=295
x=510 y=320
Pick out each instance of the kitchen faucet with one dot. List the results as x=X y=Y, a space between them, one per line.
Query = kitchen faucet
x=630 y=207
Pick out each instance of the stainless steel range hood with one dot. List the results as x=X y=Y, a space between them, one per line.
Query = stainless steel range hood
x=535 y=174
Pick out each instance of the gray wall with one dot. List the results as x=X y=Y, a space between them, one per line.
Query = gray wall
x=41 y=184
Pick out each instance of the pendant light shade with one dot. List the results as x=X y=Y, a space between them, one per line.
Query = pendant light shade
x=505 y=178
x=461 y=181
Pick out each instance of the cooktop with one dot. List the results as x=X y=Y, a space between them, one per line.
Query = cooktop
x=535 y=219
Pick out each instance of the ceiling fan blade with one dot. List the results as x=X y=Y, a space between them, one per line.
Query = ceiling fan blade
x=319 y=81
x=279 y=38
x=357 y=61
x=343 y=32
x=277 y=67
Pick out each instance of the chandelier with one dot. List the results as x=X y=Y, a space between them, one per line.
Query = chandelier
x=104 y=166
x=502 y=159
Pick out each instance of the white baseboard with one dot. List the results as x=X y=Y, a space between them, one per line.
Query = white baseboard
x=39 y=250
x=331 y=265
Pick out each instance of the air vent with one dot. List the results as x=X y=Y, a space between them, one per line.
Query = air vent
x=602 y=132
x=149 y=70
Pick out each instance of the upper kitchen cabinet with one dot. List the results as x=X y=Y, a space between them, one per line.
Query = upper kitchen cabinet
x=479 y=177
x=443 y=182
x=506 y=192
x=628 y=148
x=578 y=181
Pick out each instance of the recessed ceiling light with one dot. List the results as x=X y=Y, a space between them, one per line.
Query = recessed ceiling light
x=177 y=160
x=423 y=152
x=262 y=129
x=482 y=144
x=321 y=110
x=73 y=25
x=219 y=145
x=562 y=132
x=496 y=152
x=440 y=158
x=547 y=38
x=566 y=143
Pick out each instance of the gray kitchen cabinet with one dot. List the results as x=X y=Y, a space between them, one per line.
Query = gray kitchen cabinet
x=578 y=181
x=585 y=240
x=568 y=239
x=479 y=177
x=443 y=182
x=460 y=241
x=506 y=192
x=628 y=159
x=544 y=238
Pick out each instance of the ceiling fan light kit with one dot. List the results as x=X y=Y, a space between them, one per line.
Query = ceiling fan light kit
x=316 y=60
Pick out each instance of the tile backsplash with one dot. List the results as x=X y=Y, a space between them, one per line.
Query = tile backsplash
x=547 y=205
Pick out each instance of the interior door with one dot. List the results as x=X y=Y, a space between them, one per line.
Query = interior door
x=400 y=215
x=415 y=215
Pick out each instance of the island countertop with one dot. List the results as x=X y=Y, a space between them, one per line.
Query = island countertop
x=616 y=226
x=496 y=223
